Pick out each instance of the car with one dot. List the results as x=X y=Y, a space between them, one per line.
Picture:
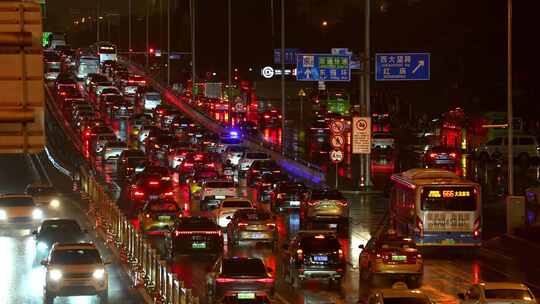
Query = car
x=121 y=108
x=138 y=121
x=325 y=206
x=228 y=207
x=151 y=100
x=130 y=162
x=266 y=183
x=248 y=128
x=238 y=274
x=252 y=225
x=394 y=256
x=259 y=168
x=196 y=181
x=101 y=141
x=245 y=298
x=57 y=230
x=75 y=269
x=178 y=153
x=44 y=195
x=525 y=148
x=159 y=146
x=442 y=156
x=288 y=195
x=382 y=141
x=197 y=234
x=226 y=140
x=234 y=154
x=151 y=187
x=148 y=131
x=113 y=150
x=314 y=255
x=213 y=191
x=399 y=294
x=249 y=157
x=497 y=292
x=158 y=217
x=270 y=118
x=19 y=211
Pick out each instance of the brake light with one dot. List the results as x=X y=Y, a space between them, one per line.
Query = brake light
x=211 y=165
x=240 y=225
x=153 y=183
x=211 y=232
x=453 y=155
x=255 y=171
x=320 y=237
x=265 y=280
x=433 y=155
x=138 y=193
x=477 y=227
x=340 y=253
x=280 y=195
x=419 y=229
x=342 y=203
x=300 y=254
x=312 y=203
x=266 y=116
x=271 y=225
x=225 y=280
x=168 y=194
x=187 y=164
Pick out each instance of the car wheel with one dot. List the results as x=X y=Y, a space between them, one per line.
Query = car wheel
x=48 y=298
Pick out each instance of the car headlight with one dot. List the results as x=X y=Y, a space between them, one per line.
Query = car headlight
x=3 y=215
x=37 y=214
x=55 y=203
x=55 y=274
x=42 y=246
x=99 y=273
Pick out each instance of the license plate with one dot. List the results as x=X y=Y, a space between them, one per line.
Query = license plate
x=153 y=197
x=294 y=203
x=220 y=196
x=399 y=258
x=245 y=296
x=257 y=235
x=199 y=245
x=164 y=218
x=449 y=242
x=320 y=258
x=332 y=226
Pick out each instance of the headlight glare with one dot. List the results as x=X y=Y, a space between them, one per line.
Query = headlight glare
x=55 y=203
x=3 y=215
x=55 y=274
x=37 y=214
x=42 y=246
x=99 y=273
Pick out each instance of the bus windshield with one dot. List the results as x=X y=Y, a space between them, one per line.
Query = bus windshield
x=448 y=199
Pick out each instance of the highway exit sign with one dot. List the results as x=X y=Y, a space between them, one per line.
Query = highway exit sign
x=402 y=66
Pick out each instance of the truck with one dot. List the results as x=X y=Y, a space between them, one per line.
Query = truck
x=21 y=78
x=213 y=90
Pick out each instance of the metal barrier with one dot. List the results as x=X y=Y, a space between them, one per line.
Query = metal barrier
x=147 y=268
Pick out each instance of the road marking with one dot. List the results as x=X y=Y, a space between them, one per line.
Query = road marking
x=282 y=299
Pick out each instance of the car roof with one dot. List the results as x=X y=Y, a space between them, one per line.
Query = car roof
x=236 y=199
x=13 y=195
x=503 y=285
x=70 y=246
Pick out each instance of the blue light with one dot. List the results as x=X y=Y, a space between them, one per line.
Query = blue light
x=233 y=134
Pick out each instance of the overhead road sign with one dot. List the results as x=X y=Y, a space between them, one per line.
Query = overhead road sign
x=361 y=135
x=290 y=56
x=336 y=156
x=402 y=66
x=323 y=67
x=355 y=62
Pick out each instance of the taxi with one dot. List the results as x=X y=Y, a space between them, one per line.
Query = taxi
x=195 y=182
x=498 y=292
x=393 y=256
x=399 y=294
x=252 y=225
x=159 y=217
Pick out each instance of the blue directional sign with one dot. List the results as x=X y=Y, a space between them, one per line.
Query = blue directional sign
x=401 y=66
x=323 y=67
x=290 y=56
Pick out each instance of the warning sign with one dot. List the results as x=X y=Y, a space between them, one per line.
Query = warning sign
x=361 y=135
x=337 y=141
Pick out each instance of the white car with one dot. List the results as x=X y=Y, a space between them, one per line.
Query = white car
x=75 y=269
x=234 y=154
x=250 y=157
x=114 y=149
x=102 y=141
x=228 y=207
x=383 y=141
x=525 y=147
x=18 y=210
x=499 y=292
x=214 y=191
x=151 y=100
x=399 y=294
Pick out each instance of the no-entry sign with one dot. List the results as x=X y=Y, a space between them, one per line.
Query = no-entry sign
x=361 y=135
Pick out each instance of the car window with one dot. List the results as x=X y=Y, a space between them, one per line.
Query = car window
x=195 y=222
x=236 y=267
x=313 y=243
x=236 y=204
x=253 y=215
x=75 y=256
x=58 y=226
x=329 y=195
x=16 y=202
x=507 y=294
x=223 y=184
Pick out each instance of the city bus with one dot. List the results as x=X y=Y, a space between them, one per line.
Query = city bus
x=107 y=51
x=436 y=208
x=87 y=65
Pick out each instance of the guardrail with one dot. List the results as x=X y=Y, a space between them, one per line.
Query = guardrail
x=306 y=171
x=146 y=267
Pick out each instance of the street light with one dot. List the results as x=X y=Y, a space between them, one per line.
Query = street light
x=324 y=23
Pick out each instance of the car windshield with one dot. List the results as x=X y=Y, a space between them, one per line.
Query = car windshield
x=236 y=204
x=257 y=155
x=253 y=215
x=515 y=294
x=319 y=242
x=223 y=184
x=206 y=174
x=75 y=256
x=195 y=222
x=163 y=207
x=55 y=226
x=396 y=244
x=264 y=164
x=383 y=136
x=408 y=300
x=328 y=195
x=152 y=96
x=238 y=267
x=16 y=202
x=133 y=161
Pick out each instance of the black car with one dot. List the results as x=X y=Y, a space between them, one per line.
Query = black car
x=288 y=195
x=238 y=274
x=196 y=235
x=57 y=231
x=266 y=183
x=314 y=255
x=259 y=168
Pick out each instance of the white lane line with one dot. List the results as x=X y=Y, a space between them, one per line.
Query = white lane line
x=56 y=164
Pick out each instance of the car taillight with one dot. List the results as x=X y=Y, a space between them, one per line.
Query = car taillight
x=300 y=254
x=433 y=155
x=138 y=193
x=168 y=194
x=477 y=227
x=242 y=225
x=209 y=232
x=271 y=225
x=211 y=165
x=280 y=195
x=312 y=203
x=187 y=164
x=265 y=280
x=419 y=229
x=153 y=183
x=254 y=171
x=453 y=155
x=266 y=116
x=225 y=280
x=148 y=215
x=342 y=203
x=340 y=253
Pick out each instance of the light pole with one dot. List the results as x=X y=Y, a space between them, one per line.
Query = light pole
x=129 y=31
x=365 y=159
x=147 y=32
x=168 y=42
x=193 y=57
x=97 y=22
x=282 y=55
x=510 y=115
x=229 y=74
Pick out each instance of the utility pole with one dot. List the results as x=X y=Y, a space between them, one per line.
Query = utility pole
x=365 y=159
x=97 y=21
x=283 y=115
x=168 y=42
x=147 y=32
x=273 y=21
x=229 y=74
x=510 y=116
x=129 y=31
x=193 y=57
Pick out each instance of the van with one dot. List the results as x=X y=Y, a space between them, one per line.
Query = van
x=525 y=147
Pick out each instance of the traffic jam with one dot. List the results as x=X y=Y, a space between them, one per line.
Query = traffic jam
x=236 y=227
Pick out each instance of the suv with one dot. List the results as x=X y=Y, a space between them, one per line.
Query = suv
x=525 y=147
x=75 y=269
x=314 y=254
x=391 y=255
x=497 y=292
x=326 y=207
